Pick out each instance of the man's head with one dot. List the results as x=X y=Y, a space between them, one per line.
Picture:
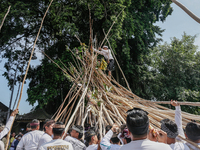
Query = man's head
x=28 y=127
x=126 y=138
x=193 y=132
x=170 y=128
x=13 y=134
x=91 y=137
x=77 y=131
x=108 y=127
x=35 y=124
x=58 y=129
x=114 y=139
x=105 y=47
x=137 y=123
x=48 y=127
x=19 y=137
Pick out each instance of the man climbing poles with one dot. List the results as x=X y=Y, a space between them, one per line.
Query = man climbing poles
x=108 y=57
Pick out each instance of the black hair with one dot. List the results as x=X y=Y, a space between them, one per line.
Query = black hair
x=170 y=125
x=81 y=129
x=28 y=125
x=128 y=140
x=34 y=126
x=137 y=118
x=115 y=140
x=58 y=131
x=108 y=127
x=89 y=134
x=192 y=131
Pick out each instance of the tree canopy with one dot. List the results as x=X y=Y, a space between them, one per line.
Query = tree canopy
x=132 y=38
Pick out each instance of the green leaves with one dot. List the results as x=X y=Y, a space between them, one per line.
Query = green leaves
x=176 y=70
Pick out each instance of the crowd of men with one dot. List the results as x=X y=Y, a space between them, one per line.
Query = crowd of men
x=136 y=134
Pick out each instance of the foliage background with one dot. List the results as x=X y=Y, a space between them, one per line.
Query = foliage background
x=133 y=38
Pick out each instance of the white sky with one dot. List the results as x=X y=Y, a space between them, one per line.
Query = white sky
x=174 y=26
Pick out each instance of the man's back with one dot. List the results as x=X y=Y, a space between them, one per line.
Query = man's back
x=57 y=144
x=145 y=145
x=30 y=140
x=77 y=145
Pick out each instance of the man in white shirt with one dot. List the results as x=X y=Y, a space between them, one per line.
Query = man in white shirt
x=108 y=56
x=76 y=135
x=192 y=129
x=110 y=141
x=138 y=125
x=57 y=143
x=8 y=124
x=92 y=139
x=48 y=129
x=174 y=129
x=30 y=140
x=193 y=134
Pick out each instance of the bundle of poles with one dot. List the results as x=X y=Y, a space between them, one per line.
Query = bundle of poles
x=97 y=100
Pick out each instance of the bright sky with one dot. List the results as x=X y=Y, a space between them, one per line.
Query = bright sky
x=174 y=26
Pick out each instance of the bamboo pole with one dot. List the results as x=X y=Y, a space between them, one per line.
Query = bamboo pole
x=117 y=62
x=8 y=135
x=4 y=17
x=193 y=16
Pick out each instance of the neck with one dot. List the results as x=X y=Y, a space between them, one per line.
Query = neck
x=92 y=142
x=33 y=129
x=141 y=138
x=57 y=137
x=171 y=140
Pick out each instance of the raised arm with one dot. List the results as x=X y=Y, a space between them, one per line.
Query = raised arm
x=8 y=124
x=178 y=117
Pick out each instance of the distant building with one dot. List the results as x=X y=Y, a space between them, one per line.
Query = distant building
x=22 y=120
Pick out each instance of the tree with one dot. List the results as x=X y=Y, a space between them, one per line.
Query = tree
x=131 y=37
x=175 y=67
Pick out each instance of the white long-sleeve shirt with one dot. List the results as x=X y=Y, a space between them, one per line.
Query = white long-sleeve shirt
x=178 y=120
x=30 y=140
x=44 y=139
x=92 y=147
x=7 y=127
x=106 y=53
x=56 y=144
x=105 y=142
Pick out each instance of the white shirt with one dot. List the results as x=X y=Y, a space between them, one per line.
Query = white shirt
x=178 y=120
x=145 y=145
x=1 y=145
x=7 y=127
x=105 y=142
x=30 y=140
x=92 y=147
x=179 y=146
x=106 y=53
x=44 y=139
x=77 y=145
x=193 y=147
x=57 y=144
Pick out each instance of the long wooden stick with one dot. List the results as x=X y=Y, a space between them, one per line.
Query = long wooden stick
x=117 y=63
x=8 y=136
x=111 y=27
x=5 y=17
x=193 y=16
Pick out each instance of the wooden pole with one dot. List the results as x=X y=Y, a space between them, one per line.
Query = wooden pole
x=5 y=17
x=193 y=16
x=8 y=136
